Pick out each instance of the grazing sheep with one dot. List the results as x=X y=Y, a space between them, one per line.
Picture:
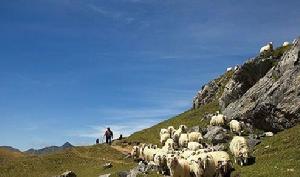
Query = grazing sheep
x=149 y=153
x=178 y=132
x=235 y=126
x=169 y=145
x=171 y=130
x=217 y=120
x=206 y=162
x=195 y=137
x=164 y=137
x=160 y=160
x=196 y=167
x=240 y=149
x=183 y=140
x=286 y=43
x=194 y=146
x=222 y=162
x=135 y=152
x=163 y=131
x=268 y=47
x=186 y=153
x=179 y=167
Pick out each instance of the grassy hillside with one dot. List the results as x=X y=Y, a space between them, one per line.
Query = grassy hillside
x=189 y=118
x=84 y=161
x=281 y=158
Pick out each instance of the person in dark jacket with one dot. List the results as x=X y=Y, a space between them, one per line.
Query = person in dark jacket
x=108 y=136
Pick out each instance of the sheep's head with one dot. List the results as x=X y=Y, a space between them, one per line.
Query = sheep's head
x=198 y=169
x=224 y=167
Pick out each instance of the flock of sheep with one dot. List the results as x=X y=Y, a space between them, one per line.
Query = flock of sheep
x=184 y=154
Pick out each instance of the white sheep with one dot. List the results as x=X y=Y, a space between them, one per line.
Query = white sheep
x=171 y=130
x=179 y=167
x=218 y=120
x=177 y=133
x=186 y=153
x=268 y=47
x=169 y=145
x=235 y=126
x=222 y=162
x=164 y=137
x=240 y=149
x=229 y=69
x=135 y=152
x=196 y=166
x=163 y=131
x=149 y=152
x=195 y=137
x=205 y=162
x=286 y=43
x=194 y=146
x=183 y=140
x=160 y=160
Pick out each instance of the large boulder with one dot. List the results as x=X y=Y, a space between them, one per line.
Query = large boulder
x=216 y=134
x=273 y=102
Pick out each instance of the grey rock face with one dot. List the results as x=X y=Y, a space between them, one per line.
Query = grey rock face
x=273 y=103
x=244 y=78
x=216 y=134
x=206 y=95
x=194 y=129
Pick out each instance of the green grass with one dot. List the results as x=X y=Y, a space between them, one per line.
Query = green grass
x=283 y=154
x=85 y=161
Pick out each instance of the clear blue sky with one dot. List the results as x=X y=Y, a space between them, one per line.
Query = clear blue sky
x=69 y=68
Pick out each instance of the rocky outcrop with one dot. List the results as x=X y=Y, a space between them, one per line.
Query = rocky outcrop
x=244 y=78
x=273 y=102
x=211 y=91
x=206 y=94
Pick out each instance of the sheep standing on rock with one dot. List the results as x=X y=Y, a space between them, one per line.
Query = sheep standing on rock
x=217 y=120
x=240 y=149
x=286 y=43
x=268 y=47
x=195 y=137
x=235 y=126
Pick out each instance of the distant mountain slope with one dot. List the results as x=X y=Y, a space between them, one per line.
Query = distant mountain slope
x=85 y=161
x=49 y=149
x=10 y=148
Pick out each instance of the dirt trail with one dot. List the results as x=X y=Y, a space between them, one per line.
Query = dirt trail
x=124 y=150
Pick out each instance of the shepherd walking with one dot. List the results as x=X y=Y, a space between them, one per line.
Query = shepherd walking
x=108 y=136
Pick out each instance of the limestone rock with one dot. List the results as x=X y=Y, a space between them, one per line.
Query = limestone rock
x=273 y=102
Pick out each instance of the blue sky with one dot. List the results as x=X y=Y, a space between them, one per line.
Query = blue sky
x=69 y=68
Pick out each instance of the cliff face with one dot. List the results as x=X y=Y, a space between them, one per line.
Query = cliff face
x=264 y=92
x=273 y=102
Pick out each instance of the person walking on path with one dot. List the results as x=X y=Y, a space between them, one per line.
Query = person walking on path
x=108 y=136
